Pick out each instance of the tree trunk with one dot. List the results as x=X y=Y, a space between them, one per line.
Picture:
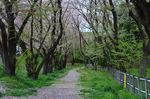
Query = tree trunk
x=47 y=68
x=8 y=50
x=115 y=21
x=31 y=70
x=142 y=8
x=143 y=64
x=9 y=65
x=144 y=61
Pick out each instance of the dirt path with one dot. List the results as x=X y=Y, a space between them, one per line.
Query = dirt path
x=66 y=88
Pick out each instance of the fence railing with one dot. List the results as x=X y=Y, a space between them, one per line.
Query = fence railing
x=138 y=86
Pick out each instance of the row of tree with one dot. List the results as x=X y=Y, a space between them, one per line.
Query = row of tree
x=41 y=29
x=120 y=30
x=50 y=32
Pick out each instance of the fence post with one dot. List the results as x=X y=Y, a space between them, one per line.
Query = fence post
x=130 y=83
x=125 y=80
x=117 y=76
x=134 y=85
x=113 y=73
x=139 y=86
x=120 y=77
x=146 y=88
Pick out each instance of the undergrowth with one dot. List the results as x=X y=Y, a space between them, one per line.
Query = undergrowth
x=100 y=85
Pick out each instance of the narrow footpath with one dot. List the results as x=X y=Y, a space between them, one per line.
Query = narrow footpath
x=65 y=88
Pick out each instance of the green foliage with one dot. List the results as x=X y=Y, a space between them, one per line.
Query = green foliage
x=127 y=53
x=135 y=71
x=78 y=58
x=93 y=50
x=94 y=53
x=100 y=85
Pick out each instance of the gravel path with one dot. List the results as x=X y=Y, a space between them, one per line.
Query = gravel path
x=65 y=88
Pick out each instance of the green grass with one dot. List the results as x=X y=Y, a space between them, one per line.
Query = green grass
x=100 y=85
x=21 y=85
x=135 y=71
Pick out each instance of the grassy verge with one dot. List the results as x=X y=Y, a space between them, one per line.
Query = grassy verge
x=100 y=85
x=135 y=71
x=23 y=86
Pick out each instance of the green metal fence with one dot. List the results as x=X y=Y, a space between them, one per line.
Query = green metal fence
x=138 y=86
